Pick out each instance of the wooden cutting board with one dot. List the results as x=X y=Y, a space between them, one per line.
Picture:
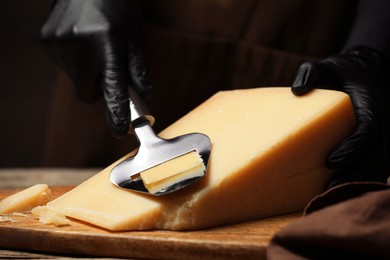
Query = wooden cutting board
x=247 y=240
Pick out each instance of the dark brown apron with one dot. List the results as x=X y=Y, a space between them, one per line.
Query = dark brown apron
x=195 y=48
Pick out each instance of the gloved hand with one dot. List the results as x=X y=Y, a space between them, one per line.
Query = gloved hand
x=363 y=74
x=97 y=42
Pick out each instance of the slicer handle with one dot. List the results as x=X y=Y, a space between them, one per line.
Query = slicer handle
x=138 y=111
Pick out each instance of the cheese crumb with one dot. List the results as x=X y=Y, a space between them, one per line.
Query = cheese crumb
x=6 y=219
x=47 y=216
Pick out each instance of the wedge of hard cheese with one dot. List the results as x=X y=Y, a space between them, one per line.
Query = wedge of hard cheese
x=267 y=158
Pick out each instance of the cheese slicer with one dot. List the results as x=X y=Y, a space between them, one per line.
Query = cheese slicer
x=153 y=152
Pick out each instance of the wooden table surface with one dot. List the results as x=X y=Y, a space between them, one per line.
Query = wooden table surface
x=251 y=236
x=20 y=178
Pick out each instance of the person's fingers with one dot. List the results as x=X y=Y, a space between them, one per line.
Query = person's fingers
x=350 y=149
x=365 y=133
x=49 y=29
x=305 y=80
x=309 y=76
x=136 y=64
x=114 y=86
x=52 y=31
x=137 y=70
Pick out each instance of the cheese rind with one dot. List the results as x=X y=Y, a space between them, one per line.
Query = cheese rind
x=267 y=158
x=26 y=199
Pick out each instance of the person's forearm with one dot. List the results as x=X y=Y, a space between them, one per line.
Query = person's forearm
x=371 y=28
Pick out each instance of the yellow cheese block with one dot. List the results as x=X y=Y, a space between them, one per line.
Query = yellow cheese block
x=181 y=168
x=267 y=158
x=25 y=200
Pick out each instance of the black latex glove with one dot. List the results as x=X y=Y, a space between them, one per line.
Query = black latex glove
x=362 y=73
x=97 y=42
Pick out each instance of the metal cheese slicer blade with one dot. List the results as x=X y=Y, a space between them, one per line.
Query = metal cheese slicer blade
x=154 y=150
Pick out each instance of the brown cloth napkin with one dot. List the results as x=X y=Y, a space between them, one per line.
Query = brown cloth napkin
x=346 y=222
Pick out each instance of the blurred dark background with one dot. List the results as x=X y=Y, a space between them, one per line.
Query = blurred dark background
x=25 y=73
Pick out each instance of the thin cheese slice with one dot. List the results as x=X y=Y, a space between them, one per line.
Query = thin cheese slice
x=267 y=158
x=26 y=199
x=174 y=171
